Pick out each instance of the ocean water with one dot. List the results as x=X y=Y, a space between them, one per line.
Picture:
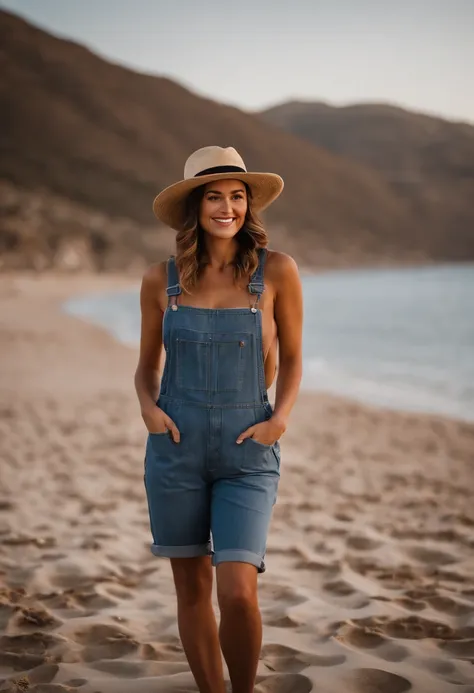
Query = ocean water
x=397 y=338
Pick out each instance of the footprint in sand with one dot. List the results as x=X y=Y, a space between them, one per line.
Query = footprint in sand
x=361 y=543
x=282 y=622
x=362 y=638
x=103 y=641
x=30 y=644
x=421 y=593
x=448 y=606
x=63 y=602
x=281 y=683
x=430 y=556
x=35 y=617
x=19 y=661
x=38 y=680
x=365 y=638
x=459 y=649
x=335 y=531
x=327 y=569
x=396 y=578
x=281 y=594
x=340 y=588
x=45 y=673
x=362 y=564
x=439 y=666
x=416 y=628
x=343 y=517
x=165 y=651
x=410 y=604
x=391 y=652
x=280 y=658
x=119 y=592
x=6 y=611
x=92 y=599
x=444 y=670
x=409 y=628
x=375 y=681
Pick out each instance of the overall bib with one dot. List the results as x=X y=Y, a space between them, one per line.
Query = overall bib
x=208 y=494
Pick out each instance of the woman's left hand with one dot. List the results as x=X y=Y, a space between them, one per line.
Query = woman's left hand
x=267 y=432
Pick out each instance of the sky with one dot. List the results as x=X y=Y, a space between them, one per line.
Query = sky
x=253 y=54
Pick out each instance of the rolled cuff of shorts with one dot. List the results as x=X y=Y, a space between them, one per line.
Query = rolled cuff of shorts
x=190 y=551
x=239 y=555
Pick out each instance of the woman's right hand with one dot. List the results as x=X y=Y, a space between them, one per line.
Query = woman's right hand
x=157 y=421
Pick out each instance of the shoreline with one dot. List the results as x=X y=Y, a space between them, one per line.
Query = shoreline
x=385 y=399
x=369 y=582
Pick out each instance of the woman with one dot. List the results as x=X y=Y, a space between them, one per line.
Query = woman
x=213 y=457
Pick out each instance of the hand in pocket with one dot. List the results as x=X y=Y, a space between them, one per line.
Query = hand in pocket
x=158 y=422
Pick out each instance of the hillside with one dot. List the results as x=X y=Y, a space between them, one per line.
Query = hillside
x=428 y=162
x=102 y=138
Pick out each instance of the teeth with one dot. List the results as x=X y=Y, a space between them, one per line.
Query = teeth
x=225 y=221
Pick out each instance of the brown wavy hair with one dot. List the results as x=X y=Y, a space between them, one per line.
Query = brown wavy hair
x=191 y=256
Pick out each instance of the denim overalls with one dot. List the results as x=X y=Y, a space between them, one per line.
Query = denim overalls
x=208 y=494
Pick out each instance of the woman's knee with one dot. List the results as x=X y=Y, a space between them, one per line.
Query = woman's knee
x=236 y=586
x=192 y=579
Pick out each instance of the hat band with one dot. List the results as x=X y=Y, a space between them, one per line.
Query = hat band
x=220 y=169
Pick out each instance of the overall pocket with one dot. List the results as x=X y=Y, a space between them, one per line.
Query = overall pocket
x=250 y=456
x=232 y=351
x=193 y=360
x=161 y=445
x=212 y=362
x=261 y=457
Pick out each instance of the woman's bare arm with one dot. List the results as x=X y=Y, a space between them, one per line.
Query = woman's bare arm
x=147 y=374
x=284 y=276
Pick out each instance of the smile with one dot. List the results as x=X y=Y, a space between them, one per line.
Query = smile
x=224 y=221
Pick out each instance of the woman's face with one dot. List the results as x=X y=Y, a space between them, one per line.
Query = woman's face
x=223 y=208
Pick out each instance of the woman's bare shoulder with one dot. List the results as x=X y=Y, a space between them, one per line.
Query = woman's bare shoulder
x=154 y=281
x=280 y=267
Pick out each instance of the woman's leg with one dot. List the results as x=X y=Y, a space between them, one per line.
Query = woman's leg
x=241 y=624
x=197 y=622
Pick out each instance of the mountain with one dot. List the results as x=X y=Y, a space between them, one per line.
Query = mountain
x=86 y=144
x=428 y=162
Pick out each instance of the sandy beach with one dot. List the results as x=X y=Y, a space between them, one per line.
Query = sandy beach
x=370 y=566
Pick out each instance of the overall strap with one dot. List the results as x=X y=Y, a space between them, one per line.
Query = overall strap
x=173 y=289
x=256 y=285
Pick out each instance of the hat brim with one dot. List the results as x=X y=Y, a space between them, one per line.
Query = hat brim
x=170 y=205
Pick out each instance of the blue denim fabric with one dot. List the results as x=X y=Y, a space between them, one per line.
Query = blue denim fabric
x=207 y=494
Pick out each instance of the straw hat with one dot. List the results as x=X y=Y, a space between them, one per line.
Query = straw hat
x=208 y=164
